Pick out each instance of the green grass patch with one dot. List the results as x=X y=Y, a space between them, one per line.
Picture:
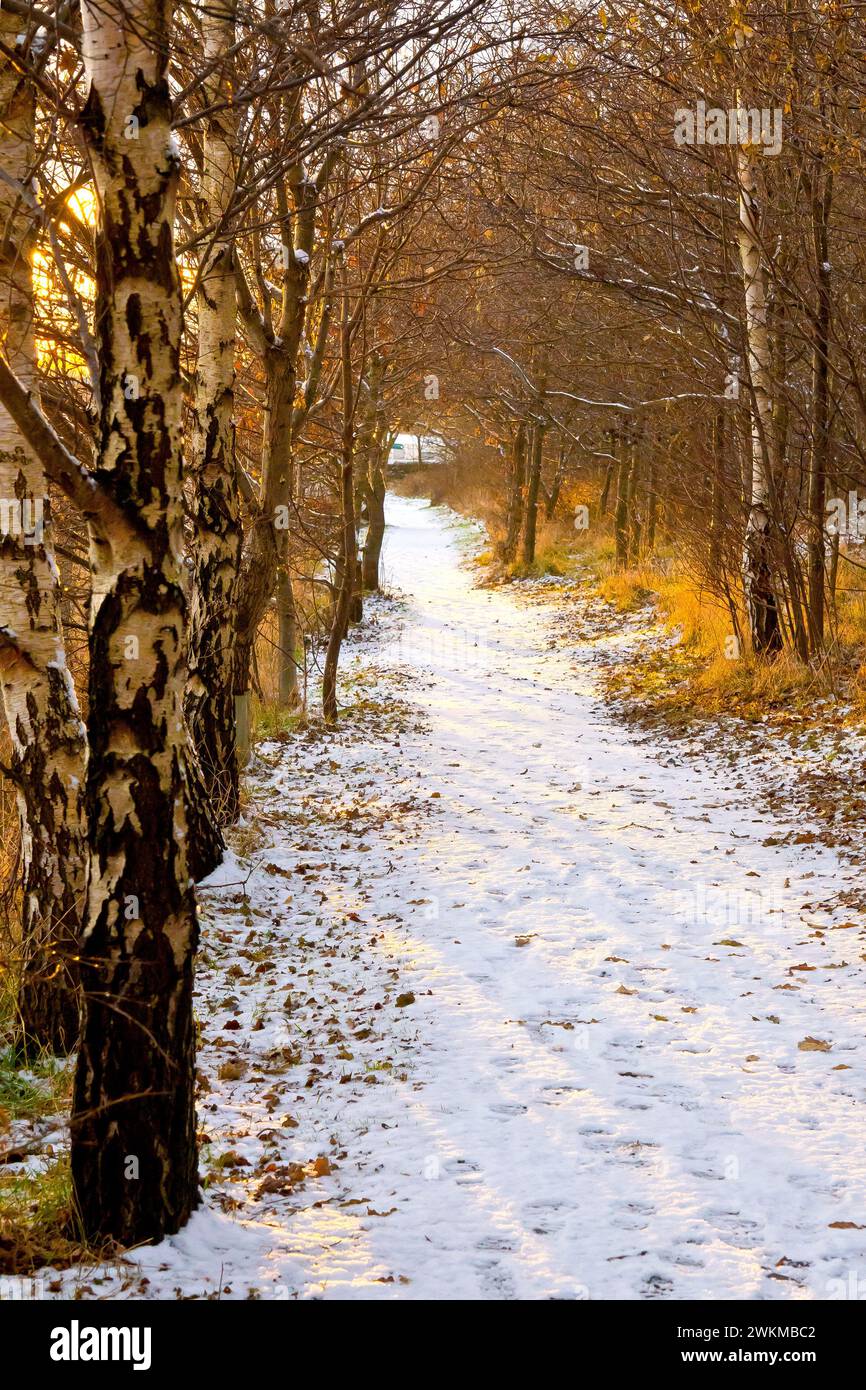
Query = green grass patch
x=272 y=720
x=42 y=1087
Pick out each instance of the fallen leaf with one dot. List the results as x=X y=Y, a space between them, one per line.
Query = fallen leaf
x=232 y=1070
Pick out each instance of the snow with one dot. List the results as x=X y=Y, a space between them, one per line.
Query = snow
x=598 y=1090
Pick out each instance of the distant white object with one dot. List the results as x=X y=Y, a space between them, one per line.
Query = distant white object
x=421 y=450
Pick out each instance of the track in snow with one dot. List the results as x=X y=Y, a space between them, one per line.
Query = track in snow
x=597 y=1098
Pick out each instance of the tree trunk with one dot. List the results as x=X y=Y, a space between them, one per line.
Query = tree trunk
x=348 y=540
x=370 y=447
x=268 y=540
x=216 y=550
x=621 y=509
x=651 y=501
x=261 y=560
x=556 y=486
x=46 y=733
x=356 y=605
x=604 y=499
x=758 y=569
x=717 y=503
x=370 y=562
x=134 y=1162
x=516 y=485
x=287 y=618
x=819 y=460
x=634 y=516
x=533 y=482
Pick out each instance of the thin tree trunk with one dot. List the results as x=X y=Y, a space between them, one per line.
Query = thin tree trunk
x=267 y=542
x=621 y=509
x=556 y=486
x=819 y=459
x=261 y=560
x=287 y=618
x=516 y=494
x=651 y=500
x=758 y=576
x=717 y=513
x=348 y=540
x=634 y=517
x=370 y=441
x=134 y=1162
x=216 y=551
x=375 y=529
x=530 y=524
x=46 y=733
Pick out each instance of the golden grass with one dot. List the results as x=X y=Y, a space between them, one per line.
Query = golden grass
x=552 y=556
x=627 y=590
x=271 y=719
x=36 y=1217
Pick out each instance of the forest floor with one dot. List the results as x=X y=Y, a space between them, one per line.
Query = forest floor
x=504 y=995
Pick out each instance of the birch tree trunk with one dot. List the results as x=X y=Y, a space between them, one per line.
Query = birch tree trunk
x=134 y=1166
x=209 y=701
x=758 y=583
x=39 y=699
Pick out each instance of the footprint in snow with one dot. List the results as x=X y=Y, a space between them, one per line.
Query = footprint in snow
x=496 y=1243
x=463 y=1170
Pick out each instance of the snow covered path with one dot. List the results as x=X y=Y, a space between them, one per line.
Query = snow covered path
x=599 y=1089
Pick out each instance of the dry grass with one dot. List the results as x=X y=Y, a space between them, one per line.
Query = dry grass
x=37 y=1224
x=36 y=1219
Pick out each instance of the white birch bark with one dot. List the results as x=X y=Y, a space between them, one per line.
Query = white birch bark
x=39 y=699
x=133 y=1125
x=215 y=503
x=757 y=566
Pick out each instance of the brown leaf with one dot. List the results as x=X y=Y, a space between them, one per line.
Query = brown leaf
x=232 y=1070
